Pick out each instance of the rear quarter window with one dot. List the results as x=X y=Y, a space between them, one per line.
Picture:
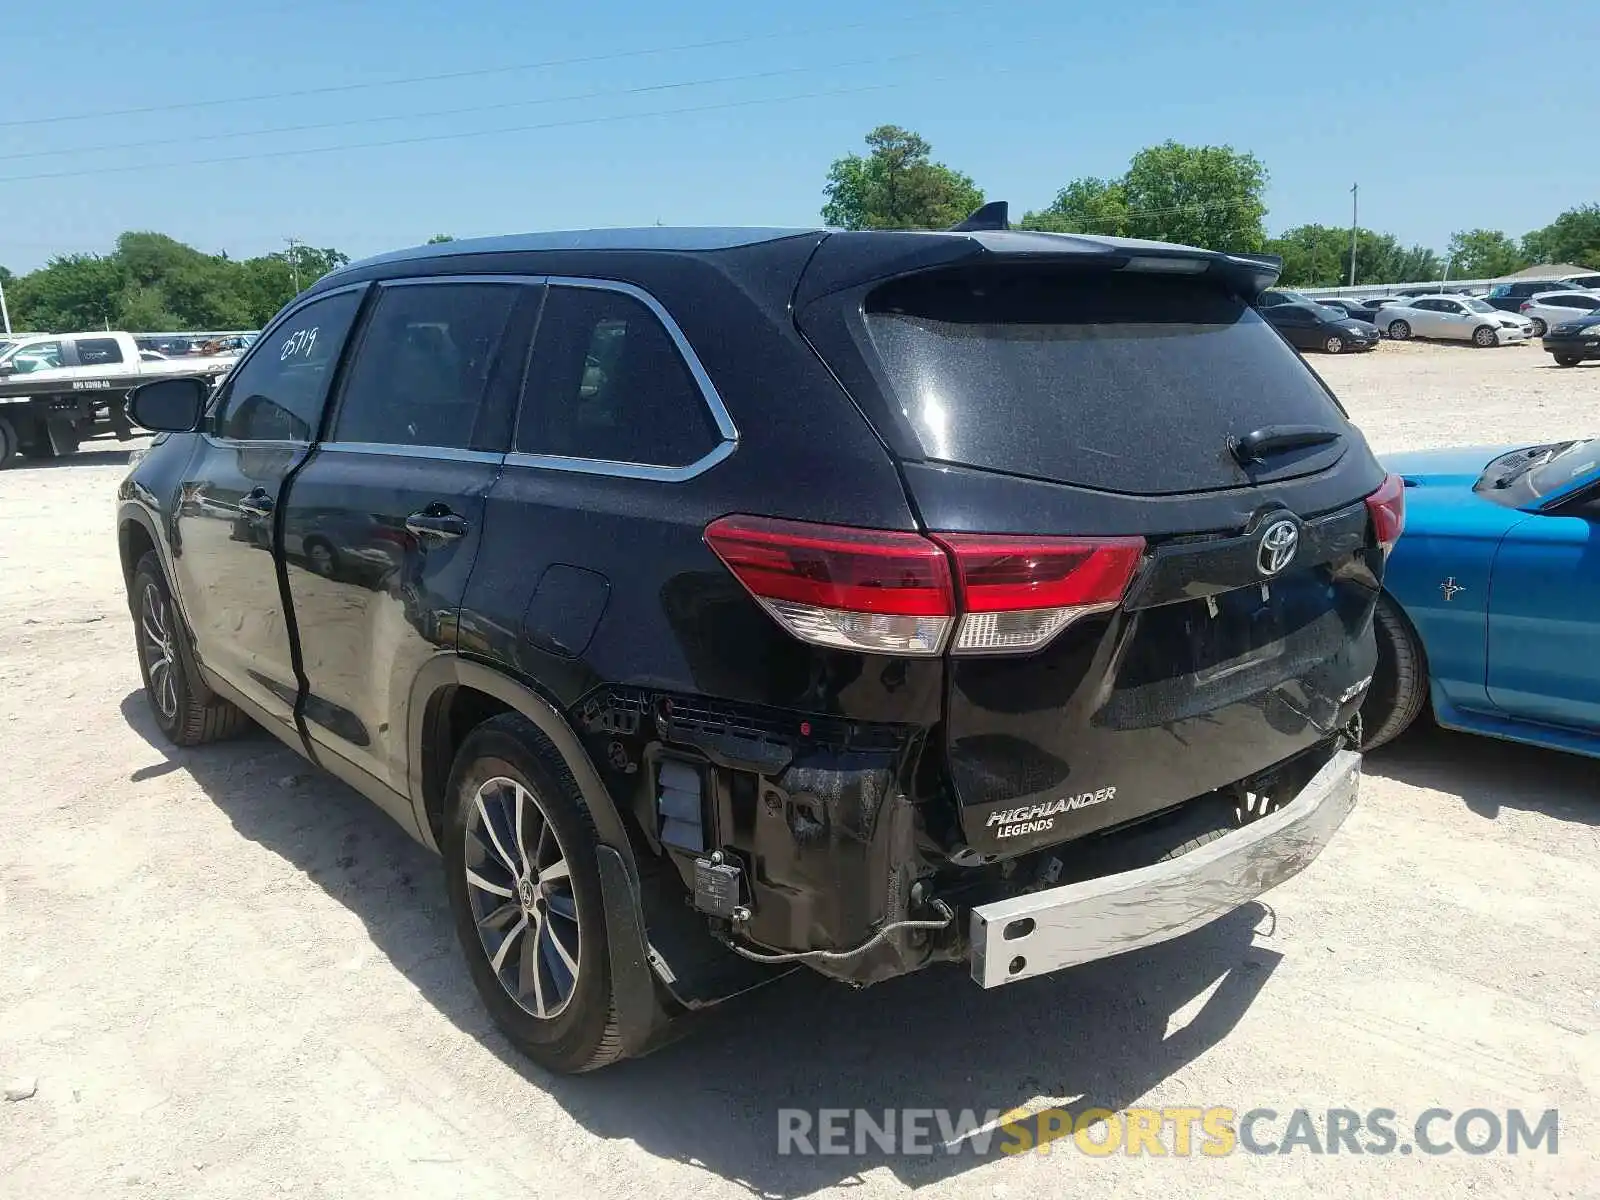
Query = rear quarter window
x=1122 y=383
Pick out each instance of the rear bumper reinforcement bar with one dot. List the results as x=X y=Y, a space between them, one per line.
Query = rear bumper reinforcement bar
x=1095 y=919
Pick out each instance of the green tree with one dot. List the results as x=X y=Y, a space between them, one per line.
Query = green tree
x=1207 y=196
x=72 y=291
x=1319 y=256
x=1085 y=205
x=1573 y=237
x=896 y=186
x=439 y=238
x=1483 y=254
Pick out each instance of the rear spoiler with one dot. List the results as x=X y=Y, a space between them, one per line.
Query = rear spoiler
x=851 y=259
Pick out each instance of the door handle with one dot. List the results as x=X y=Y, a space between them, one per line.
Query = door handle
x=256 y=503
x=438 y=522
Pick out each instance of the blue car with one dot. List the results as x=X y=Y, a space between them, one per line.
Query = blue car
x=1491 y=603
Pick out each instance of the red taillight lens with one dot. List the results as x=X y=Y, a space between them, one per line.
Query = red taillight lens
x=1387 y=507
x=1019 y=592
x=1525 y=306
x=862 y=589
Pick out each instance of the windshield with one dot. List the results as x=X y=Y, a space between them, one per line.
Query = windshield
x=1329 y=313
x=1132 y=385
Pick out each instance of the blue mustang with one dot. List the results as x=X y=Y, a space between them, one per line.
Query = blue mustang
x=1491 y=606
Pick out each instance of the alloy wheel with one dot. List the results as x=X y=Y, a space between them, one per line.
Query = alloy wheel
x=1334 y=345
x=523 y=904
x=1538 y=327
x=160 y=655
x=1399 y=331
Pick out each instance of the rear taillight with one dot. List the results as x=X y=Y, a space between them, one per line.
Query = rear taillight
x=1016 y=593
x=857 y=589
x=1525 y=306
x=1387 y=507
x=893 y=593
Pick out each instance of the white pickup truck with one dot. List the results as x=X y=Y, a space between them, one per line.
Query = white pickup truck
x=59 y=389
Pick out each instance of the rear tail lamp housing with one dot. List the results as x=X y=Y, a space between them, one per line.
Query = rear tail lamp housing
x=1387 y=508
x=893 y=592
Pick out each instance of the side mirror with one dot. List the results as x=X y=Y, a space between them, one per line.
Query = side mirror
x=169 y=405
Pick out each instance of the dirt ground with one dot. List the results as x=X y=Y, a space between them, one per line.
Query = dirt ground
x=228 y=976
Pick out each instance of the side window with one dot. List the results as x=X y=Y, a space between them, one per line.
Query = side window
x=38 y=356
x=1583 y=302
x=94 y=352
x=427 y=364
x=277 y=393
x=608 y=382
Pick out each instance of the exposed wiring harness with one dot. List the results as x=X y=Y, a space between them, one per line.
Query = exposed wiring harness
x=939 y=906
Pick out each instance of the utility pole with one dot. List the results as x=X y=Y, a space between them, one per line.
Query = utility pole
x=1353 y=189
x=5 y=313
x=294 y=262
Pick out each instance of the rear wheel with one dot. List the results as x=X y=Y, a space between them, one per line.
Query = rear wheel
x=1334 y=344
x=1399 y=330
x=1539 y=327
x=1484 y=336
x=524 y=886
x=1400 y=682
x=187 y=718
x=1567 y=360
x=8 y=443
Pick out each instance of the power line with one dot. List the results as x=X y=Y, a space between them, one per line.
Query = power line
x=457 y=112
x=475 y=133
x=477 y=72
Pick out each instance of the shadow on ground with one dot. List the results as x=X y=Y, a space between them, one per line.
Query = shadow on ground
x=1097 y=1035
x=1489 y=774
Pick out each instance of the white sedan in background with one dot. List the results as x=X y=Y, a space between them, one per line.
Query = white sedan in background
x=1552 y=308
x=1456 y=318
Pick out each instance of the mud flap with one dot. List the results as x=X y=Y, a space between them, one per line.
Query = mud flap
x=63 y=436
x=642 y=1020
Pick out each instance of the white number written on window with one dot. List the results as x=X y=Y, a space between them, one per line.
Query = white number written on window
x=299 y=343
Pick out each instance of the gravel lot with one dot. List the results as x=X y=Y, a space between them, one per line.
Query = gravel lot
x=229 y=976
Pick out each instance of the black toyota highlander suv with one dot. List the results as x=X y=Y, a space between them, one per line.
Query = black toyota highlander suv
x=718 y=602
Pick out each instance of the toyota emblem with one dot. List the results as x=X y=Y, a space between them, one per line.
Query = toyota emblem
x=1278 y=546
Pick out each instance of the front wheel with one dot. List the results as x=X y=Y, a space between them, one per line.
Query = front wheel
x=1399 y=330
x=1483 y=336
x=187 y=717
x=1399 y=684
x=1567 y=360
x=524 y=887
x=1334 y=344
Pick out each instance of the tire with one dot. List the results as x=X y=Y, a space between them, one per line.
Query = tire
x=1334 y=344
x=1567 y=360
x=8 y=443
x=1399 y=330
x=322 y=558
x=1484 y=336
x=1539 y=327
x=557 y=922
x=1400 y=682
x=187 y=717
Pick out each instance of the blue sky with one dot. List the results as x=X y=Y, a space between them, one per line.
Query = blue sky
x=1419 y=103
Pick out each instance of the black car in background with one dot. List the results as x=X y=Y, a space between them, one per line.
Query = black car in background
x=719 y=602
x=1359 y=310
x=1313 y=326
x=1508 y=297
x=1575 y=341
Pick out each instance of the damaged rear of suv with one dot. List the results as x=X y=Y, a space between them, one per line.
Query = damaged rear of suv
x=856 y=601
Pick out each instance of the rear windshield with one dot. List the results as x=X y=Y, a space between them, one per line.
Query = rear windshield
x=1125 y=383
